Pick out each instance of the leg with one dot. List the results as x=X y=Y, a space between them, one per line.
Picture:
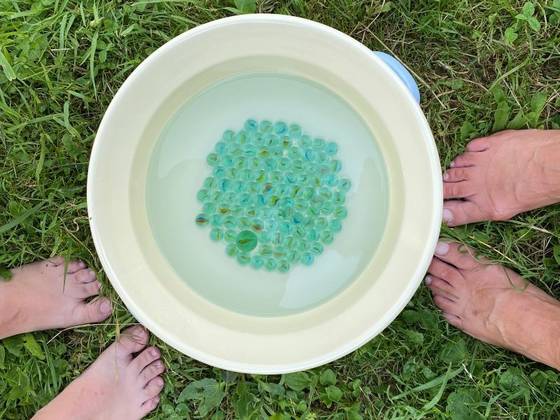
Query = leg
x=503 y=175
x=42 y=296
x=118 y=385
x=494 y=304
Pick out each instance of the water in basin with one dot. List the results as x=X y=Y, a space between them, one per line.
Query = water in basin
x=178 y=167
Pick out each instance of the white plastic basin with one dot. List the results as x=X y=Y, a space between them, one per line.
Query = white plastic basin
x=182 y=287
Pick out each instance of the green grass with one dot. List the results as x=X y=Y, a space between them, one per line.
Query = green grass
x=61 y=61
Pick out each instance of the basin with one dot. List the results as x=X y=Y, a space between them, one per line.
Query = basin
x=149 y=159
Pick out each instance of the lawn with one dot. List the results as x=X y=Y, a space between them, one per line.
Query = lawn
x=482 y=66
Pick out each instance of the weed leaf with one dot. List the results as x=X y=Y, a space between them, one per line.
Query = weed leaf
x=510 y=35
x=243 y=7
x=501 y=116
x=328 y=377
x=6 y=66
x=207 y=392
x=528 y=9
x=556 y=253
x=461 y=403
x=297 y=381
x=32 y=346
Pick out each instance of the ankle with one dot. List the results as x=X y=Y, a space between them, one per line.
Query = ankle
x=548 y=350
x=555 y=343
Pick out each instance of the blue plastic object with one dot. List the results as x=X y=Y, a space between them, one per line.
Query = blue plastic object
x=402 y=72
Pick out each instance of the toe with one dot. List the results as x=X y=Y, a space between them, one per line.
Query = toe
x=462 y=189
x=465 y=160
x=84 y=290
x=478 y=145
x=454 y=320
x=151 y=371
x=75 y=266
x=445 y=304
x=457 y=174
x=154 y=387
x=149 y=405
x=441 y=287
x=132 y=340
x=461 y=212
x=441 y=269
x=85 y=276
x=54 y=262
x=92 y=312
x=64 y=266
x=144 y=359
x=458 y=255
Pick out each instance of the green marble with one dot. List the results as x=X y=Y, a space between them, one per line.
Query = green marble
x=231 y=250
x=307 y=259
x=230 y=235
x=246 y=241
x=340 y=212
x=202 y=195
x=212 y=159
x=216 y=234
x=283 y=266
x=327 y=237
x=243 y=259
x=202 y=220
x=345 y=184
x=209 y=182
x=270 y=264
x=257 y=261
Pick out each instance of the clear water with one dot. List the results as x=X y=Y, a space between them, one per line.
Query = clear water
x=178 y=167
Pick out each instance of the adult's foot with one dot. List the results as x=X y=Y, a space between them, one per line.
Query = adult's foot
x=118 y=385
x=503 y=175
x=50 y=294
x=494 y=304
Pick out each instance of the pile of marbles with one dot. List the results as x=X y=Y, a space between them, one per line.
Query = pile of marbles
x=275 y=197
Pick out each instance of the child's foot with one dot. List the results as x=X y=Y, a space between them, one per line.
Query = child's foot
x=42 y=296
x=494 y=304
x=118 y=385
x=503 y=175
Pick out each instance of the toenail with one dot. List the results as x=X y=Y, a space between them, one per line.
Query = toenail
x=452 y=164
x=159 y=381
x=445 y=176
x=105 y=306
x=447 y=215
x=442 y=248
x=428 y=280
x=154 y=352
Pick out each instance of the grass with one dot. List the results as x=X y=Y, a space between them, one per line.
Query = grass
x=482 y=66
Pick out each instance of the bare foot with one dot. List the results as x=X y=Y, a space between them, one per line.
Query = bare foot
x=494 y=304
x=503 y=175
x=118 y=385
x=42 y=296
